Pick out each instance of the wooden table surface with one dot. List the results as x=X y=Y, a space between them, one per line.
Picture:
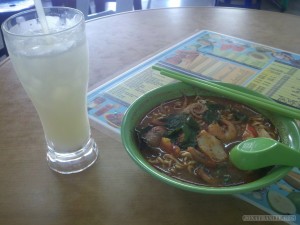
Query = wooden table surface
x=116 y=191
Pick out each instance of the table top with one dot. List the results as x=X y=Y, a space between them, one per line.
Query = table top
x=115 y=190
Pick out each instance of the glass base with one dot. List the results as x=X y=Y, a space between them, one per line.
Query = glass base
x=67 y=163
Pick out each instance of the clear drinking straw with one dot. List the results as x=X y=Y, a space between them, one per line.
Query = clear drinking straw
x=41 y=15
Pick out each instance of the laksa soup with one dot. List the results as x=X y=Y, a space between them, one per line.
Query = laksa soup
x=189 y=138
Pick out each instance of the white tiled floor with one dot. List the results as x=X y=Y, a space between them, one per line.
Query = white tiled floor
x=293 y=6
x=176 y=3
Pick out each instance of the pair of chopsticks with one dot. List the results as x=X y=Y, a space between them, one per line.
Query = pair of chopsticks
x=232 y=93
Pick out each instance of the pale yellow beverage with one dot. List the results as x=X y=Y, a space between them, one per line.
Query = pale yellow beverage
x=53 y=69
x=58 y=92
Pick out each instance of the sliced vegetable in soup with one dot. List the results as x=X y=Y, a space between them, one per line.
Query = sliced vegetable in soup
x=190 y=138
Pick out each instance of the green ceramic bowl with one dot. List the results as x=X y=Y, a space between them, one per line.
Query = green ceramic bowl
x=288 y=130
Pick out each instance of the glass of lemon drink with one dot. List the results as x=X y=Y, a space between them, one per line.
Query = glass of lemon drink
x=49 y=53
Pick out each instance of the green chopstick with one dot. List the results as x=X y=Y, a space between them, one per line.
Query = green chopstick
x=232 y=93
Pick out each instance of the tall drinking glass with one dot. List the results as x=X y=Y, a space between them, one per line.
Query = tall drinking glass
x=52 y=66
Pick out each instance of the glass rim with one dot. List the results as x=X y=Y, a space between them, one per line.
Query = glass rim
x=5 y=30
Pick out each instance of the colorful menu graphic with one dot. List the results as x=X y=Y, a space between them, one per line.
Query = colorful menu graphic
x=272 y=72
x=280 y=82
x=207 y=55
x=107 y=104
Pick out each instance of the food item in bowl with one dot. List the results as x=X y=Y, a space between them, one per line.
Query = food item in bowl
x=189 y=138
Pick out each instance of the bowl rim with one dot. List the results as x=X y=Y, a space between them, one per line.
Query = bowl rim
x=127 y=140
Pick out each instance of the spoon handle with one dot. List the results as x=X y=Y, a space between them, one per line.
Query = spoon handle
x=289 y=156
x=262 y=152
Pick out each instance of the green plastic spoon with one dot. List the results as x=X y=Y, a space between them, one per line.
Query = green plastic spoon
x=262 y=152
